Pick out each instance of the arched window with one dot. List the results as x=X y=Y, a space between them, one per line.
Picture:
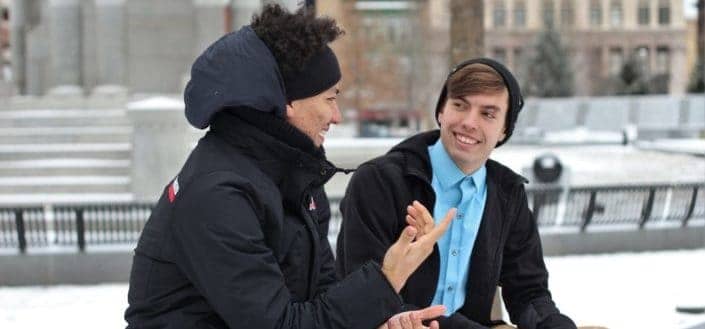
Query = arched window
x=519 y=14
x=567 y=13
x=616 y=13
x=644 y=12
x=595 y=12
x=548 y=12
x=499 y=14
x=664 y=12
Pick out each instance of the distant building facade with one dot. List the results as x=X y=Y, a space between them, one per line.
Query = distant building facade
x=600 y=36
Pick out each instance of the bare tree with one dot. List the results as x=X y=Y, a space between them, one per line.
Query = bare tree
x=467 y=31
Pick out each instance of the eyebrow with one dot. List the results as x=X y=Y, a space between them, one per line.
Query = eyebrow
x=484 y=107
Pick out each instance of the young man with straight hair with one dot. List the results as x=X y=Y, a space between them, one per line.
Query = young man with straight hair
x=494 y=238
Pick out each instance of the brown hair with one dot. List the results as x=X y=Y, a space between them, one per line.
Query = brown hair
x=475 y=79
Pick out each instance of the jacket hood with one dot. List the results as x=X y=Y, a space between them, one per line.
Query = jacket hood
x=237 y=70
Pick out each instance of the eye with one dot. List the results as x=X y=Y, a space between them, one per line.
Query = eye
x=490 y=114
x=331 y=99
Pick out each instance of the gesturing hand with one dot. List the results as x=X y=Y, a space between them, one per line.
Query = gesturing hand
x=419 y=217
x=414 y=319
x=410 y=250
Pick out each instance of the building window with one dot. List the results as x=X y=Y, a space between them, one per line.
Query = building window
x=595 y=13
x=567 y=13
x=616 y=61
x=644 y=12
x=519 y=14
x=642 y=57
x=664 y=13
x=616 y=13
x=663 y=59
x=500 y=55
x=499 y=14
x=548 y=13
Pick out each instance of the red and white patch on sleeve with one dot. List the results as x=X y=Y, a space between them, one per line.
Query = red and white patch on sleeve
x=312 y=205
x=173 y=189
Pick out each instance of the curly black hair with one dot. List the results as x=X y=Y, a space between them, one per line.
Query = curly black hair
x=293 y=38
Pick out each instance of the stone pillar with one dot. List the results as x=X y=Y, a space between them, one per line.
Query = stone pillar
x=161 y=141
x=65 y=46
x=111 y=46
x=242 y=12
x=18 y=43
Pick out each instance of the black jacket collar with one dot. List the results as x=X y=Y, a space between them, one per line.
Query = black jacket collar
x=417 y=161
x=281 y=151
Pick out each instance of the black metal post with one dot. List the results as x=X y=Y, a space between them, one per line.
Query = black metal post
x=648 y=206
x=691 y=207
x=80 y=230
x=590 y=211
x=21 y=238
x=539 y=200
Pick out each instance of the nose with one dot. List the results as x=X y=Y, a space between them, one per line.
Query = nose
x=337 y=115
x=471 y=119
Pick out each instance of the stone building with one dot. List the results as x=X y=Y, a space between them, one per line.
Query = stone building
x=600 y=36
x=84 y=47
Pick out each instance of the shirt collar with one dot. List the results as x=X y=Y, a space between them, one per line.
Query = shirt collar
x=448 y=173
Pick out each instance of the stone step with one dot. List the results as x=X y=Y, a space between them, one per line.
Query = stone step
x=47 y=135
x=65 y=184
x=16 y=152
x=64 y=167
x=33 y=199
x=66 y=118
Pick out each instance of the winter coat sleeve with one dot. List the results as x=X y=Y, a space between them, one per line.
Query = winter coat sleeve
x=221 y=249
x=524 y=277
x=327 y=276
x=370 y=219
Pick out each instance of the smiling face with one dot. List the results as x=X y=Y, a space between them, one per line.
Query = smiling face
x=471 y=127
x=314 y=115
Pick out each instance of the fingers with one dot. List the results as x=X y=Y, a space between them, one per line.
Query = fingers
x=441 y=228
x=419 y=217
x=434 y=325
x=430 y=312
x=394 y=322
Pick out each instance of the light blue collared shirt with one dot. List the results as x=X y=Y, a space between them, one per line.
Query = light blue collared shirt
x=468 y=194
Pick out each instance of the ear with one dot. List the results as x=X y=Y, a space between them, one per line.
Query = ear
x=504 y=135
x=289 y=110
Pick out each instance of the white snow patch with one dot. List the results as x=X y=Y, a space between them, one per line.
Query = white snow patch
x=618 y=291
x=157 y=103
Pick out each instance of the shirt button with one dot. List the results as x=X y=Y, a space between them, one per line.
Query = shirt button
x=460 y=215
x=450 y=288
x=454 y=252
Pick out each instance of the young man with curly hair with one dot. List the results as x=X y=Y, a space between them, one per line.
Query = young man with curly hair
x=493 y=240
x=238 y=239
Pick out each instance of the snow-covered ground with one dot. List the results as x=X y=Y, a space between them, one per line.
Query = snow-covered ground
x=619 y=291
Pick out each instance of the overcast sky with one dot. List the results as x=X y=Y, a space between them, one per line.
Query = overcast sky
x=689 y=7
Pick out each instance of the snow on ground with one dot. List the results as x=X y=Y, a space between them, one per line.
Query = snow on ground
x=619 y=291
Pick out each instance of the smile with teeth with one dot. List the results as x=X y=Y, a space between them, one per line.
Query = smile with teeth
x=465 y=139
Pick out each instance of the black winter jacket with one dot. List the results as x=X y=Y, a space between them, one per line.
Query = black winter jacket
x=507 y=251
x=241 y=243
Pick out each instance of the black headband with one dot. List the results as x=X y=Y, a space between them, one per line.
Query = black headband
x=319 y=73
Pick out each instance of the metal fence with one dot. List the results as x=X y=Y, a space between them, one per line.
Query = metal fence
x=80 y=226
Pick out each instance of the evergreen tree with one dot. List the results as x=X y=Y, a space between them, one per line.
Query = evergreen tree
x=632 y=80
x=548 y=71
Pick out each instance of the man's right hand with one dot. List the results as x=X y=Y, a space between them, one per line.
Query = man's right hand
x=405 y=255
